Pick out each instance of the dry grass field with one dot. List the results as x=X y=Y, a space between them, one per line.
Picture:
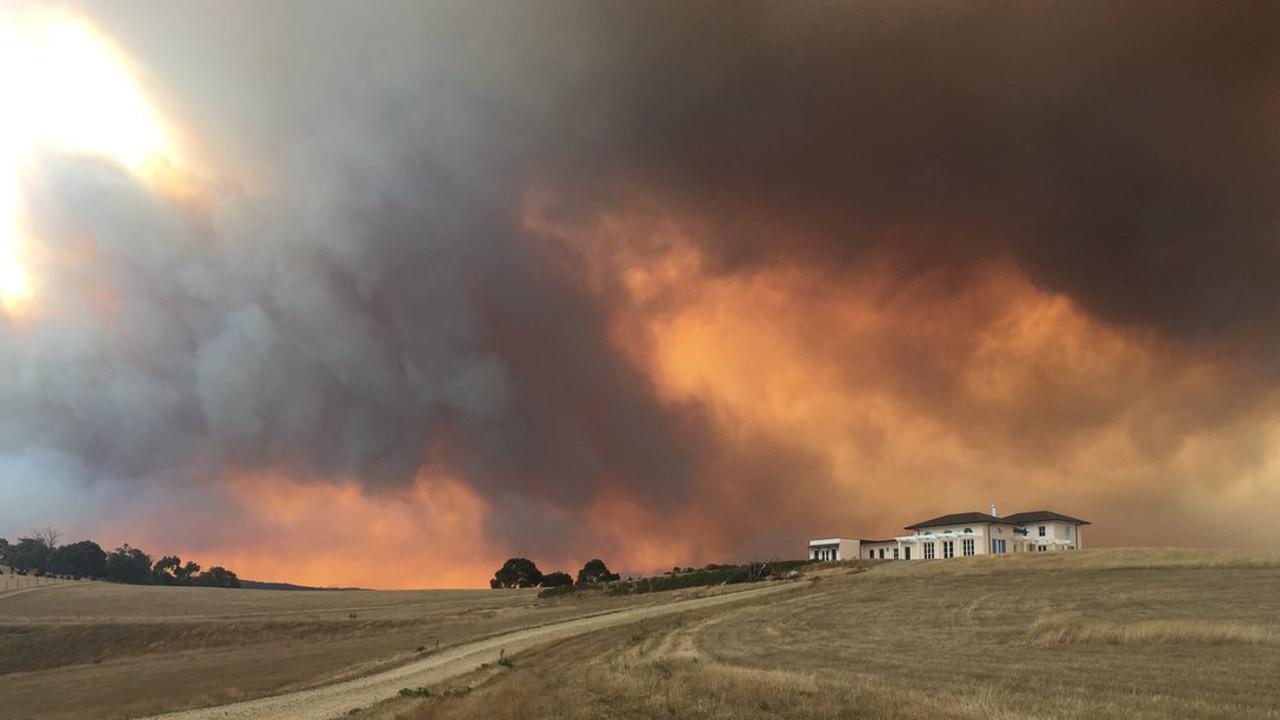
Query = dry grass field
x=1145 y=634
x=89 y=651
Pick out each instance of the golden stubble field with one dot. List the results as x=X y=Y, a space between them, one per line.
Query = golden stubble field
x=86 y=651
x=1146 y=634
x=1095 y=634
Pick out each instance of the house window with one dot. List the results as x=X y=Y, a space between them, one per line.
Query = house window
x=967 y=546
x=948 y=549
x=881 y=553
x=928 y=551
x=1068 y=531
x=969 y=530
x=997 y=546
x=895 y=553
x=906 y=553
x=871 y=554
x=1041 y=531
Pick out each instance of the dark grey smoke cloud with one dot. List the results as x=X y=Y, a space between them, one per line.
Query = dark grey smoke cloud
x=1123 y=153
x=376 y=309
x=371 y=301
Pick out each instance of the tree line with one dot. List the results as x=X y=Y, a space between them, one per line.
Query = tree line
x=524 y=573
x=41 y=555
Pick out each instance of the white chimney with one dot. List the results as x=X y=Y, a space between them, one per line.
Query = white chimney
x=993 y=510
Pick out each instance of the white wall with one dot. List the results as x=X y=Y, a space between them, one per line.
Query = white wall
x=1054 y=530
x=980 y=532
x=875 y=548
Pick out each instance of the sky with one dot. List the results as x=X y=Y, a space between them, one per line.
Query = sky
x=381 y=294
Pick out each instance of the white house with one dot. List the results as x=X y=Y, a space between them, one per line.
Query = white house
x=962 y=535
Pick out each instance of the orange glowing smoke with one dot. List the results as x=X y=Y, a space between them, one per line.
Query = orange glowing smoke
x=339 y=534
x=844 y=404
x=936 y=392
x=429 y=535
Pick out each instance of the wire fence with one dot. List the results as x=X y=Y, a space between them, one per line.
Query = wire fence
x=12 y=580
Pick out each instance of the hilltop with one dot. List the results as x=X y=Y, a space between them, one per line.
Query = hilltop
x=1117 y=633
x=266 y=585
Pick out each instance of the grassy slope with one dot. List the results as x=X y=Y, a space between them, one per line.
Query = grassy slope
x=1097 y=634
x=97 y=650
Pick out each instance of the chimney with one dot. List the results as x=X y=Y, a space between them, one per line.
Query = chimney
x=993 y=510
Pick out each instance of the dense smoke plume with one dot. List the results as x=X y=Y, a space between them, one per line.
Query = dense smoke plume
x=661 y=282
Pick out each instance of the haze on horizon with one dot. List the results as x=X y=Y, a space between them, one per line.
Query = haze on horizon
x=384 y=293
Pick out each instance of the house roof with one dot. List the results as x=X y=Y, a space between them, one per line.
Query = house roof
x=1041 y=515
x=959 y=519
x=835 y=541
x=830 y=541
x=977 y=517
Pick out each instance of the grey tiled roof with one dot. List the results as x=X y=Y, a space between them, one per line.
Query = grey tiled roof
x=1041 y=515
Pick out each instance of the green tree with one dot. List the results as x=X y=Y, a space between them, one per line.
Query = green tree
x=165 y=571
x=217 y=576
x=557 y=579
x=28 y=554
x=187 y=573
x=128 y=565
x=82 y=559
x=595 y=571
x=516 y=573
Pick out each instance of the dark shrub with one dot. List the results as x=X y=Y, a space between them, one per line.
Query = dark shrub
x=419 y=692
x=557 y=579
x=557 y=591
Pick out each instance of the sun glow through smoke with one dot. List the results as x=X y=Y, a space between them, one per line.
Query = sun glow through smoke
x=66 y=89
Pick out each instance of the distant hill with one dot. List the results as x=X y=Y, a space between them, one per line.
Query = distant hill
x=257 y=585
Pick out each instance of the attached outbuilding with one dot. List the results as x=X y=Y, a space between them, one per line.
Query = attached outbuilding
x=831 y=549
x=881 y=550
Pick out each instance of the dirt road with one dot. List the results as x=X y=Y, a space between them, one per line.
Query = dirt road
x=339 y=699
